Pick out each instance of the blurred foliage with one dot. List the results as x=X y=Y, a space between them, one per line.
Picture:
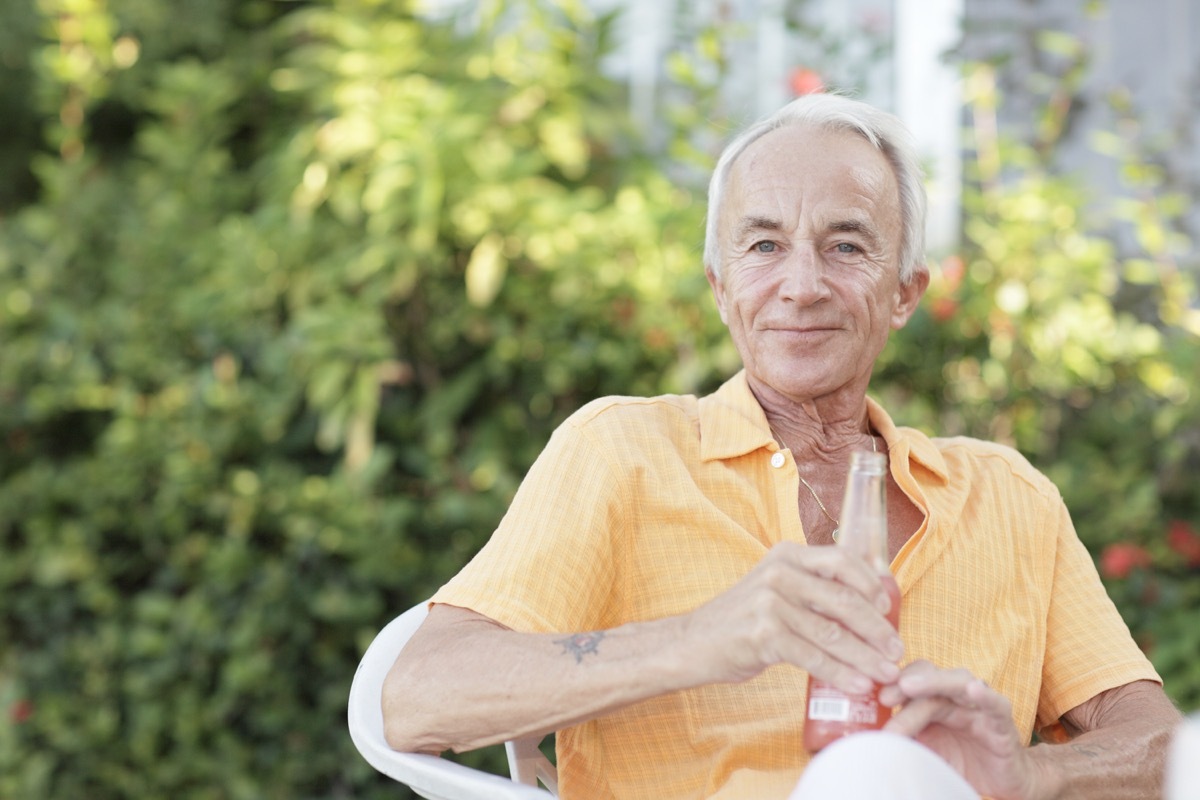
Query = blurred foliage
x=291 y=295
x=1068 y=326
x=299 y=293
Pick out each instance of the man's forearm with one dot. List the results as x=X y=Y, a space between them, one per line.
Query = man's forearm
x=1120 y=753
x=465 y=681
x=533 y=683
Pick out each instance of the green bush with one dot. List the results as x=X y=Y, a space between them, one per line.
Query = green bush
x=292 y=294
x=300 y=294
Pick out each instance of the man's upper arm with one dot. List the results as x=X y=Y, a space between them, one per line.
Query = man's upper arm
x=551 y=565
x=1144 y=700
x=1089 y=649
x=444 y=624
x=447 y=643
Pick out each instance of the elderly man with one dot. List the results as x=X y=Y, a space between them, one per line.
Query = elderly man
x=661 y=586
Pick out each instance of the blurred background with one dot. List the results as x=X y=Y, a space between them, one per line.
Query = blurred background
x=293 y=292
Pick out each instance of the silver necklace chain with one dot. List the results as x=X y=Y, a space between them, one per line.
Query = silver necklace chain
x=837 y=525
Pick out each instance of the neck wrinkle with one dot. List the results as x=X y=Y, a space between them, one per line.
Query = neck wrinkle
x=819 y=429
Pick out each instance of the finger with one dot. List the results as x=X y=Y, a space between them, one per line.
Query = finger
x=842 y=588
x=850 y=636
x=835 y=564
x=955 y=698
x=922 y=679
x=826 y=648
x=819 y=664
x=891 y=695
x=828 y=623
x=984 y=725
x=803 y=609
x=919 y=714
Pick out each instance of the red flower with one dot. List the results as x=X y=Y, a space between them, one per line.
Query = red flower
x=944 y=308
x=875 y=22
x=953 y=270
x=1185 y=541
x=806 y=81
x=1121 y=558
x=20 y=711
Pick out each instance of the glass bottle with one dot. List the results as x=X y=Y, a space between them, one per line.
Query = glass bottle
x=862 y=529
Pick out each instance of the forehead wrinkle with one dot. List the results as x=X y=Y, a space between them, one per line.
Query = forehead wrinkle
x=765 y=188
x=872 y=178
x=752 y=223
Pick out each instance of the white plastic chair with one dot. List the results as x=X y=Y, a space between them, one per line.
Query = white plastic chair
x=429 y=776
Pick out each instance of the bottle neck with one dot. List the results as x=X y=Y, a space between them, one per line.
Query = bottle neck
x=864 y=509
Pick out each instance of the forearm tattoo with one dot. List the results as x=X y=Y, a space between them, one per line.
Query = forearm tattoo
x=1090 y=749
x=581 y=644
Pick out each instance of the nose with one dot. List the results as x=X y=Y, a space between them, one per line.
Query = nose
x=803 y=278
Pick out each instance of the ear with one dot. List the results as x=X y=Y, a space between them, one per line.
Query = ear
x=718 y=289
x=908 y=296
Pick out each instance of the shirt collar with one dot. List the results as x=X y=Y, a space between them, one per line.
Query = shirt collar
x=733 y=424
x=907 y=444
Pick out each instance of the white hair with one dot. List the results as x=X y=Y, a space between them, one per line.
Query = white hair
x=831 y=112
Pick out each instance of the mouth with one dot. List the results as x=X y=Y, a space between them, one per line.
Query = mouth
x=806 y=330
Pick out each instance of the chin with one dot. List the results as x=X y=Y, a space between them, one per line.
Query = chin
x=803 y=378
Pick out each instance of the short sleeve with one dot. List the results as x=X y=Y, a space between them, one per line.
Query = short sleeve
x=1089 y=649
x=551 y=564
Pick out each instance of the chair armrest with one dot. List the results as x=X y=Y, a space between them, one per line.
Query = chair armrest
x=429 y=776
x=528 y=764
x=438 y=779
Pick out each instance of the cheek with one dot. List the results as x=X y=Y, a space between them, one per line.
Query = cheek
x=750 y=289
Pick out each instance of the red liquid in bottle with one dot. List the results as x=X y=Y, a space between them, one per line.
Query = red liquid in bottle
x=832 y=714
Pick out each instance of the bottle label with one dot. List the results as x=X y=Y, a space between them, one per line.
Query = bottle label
x=829 y=709
x=833 y=706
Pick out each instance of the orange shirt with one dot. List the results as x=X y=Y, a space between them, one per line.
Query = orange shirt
x=641 y=508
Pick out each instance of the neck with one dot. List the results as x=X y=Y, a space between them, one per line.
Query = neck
x=818 y=429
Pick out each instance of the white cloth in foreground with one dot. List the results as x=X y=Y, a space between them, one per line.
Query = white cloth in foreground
x=1183 y=778
x=880 y=766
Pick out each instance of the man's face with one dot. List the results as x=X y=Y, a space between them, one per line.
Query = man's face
x=809 y=231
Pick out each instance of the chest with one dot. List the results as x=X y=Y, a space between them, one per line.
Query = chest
x=904 y=520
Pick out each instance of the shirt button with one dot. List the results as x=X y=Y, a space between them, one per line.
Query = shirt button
x=777 y=460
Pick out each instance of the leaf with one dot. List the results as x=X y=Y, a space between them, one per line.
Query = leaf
x=485 y=270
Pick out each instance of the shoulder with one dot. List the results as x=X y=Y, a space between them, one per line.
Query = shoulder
x=627 y=431
x=960 y=461
x=978 y=461
x=633 y=414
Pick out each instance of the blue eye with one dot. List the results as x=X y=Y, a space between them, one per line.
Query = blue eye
x=765 y=247
x=846 y=247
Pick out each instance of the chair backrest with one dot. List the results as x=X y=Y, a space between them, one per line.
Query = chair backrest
x=430 y=776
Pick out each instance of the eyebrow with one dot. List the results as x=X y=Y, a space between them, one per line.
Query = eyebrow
x=751 y=224
x=759 y=223
x=864 y=229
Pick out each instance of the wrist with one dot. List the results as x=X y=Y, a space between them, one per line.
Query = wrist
x=677 y=657
x=1046 y=781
